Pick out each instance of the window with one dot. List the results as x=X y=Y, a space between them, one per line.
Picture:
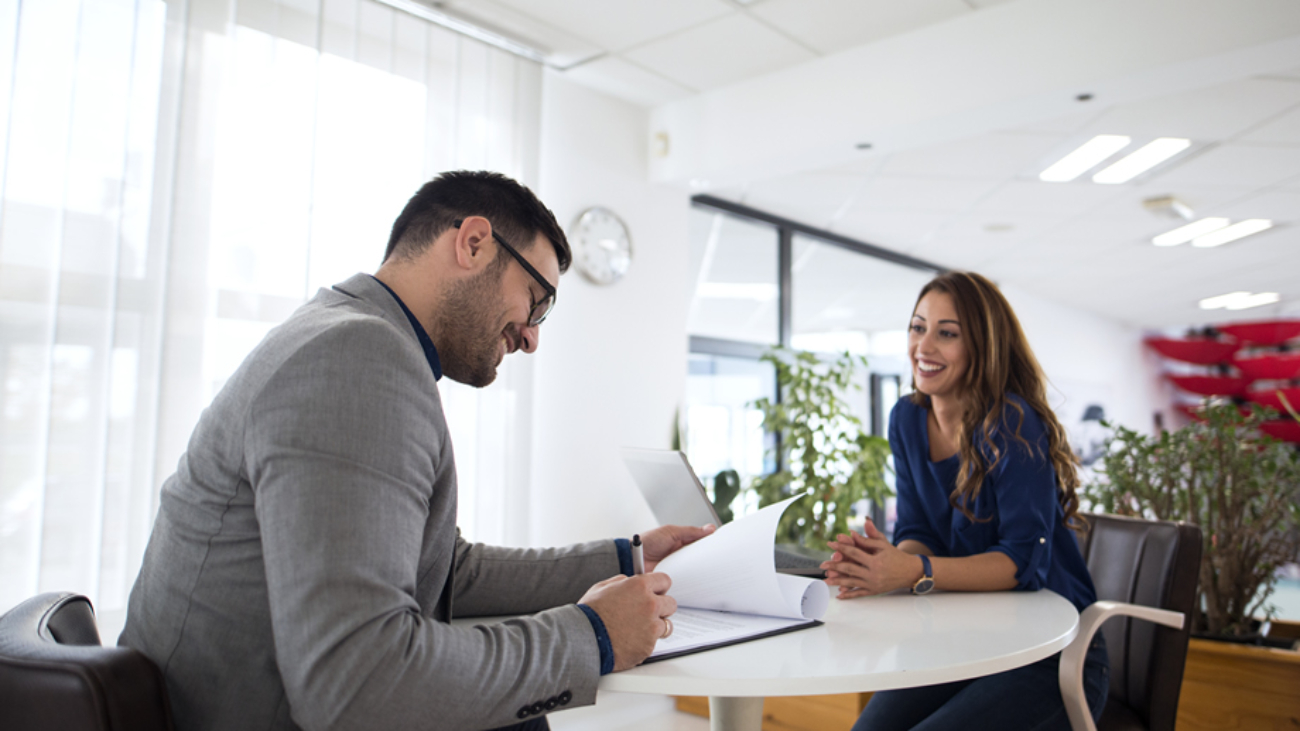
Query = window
x=761 y=281
x=179 y=176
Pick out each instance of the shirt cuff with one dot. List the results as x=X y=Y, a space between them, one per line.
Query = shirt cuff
x=624 y=547
x=602 y=639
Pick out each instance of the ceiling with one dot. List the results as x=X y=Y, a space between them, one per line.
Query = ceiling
x=921 y=126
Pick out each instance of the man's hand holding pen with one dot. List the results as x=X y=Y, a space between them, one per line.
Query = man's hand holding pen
x=636 y=609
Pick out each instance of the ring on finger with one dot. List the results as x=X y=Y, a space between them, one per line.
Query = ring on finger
x=668 y=629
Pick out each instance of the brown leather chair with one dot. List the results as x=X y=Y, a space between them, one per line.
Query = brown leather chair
x=54 y=674
x=1144 y=570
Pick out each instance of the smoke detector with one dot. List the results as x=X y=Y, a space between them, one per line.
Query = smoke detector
x=1168 y=206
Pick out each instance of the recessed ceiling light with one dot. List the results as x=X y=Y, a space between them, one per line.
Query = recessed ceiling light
x=1232 y=233
x=1239 y=300
x=1083 y=159
x=1146 y=157
x=1183 y=234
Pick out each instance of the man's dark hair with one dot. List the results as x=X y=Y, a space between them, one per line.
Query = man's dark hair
x=515 y=213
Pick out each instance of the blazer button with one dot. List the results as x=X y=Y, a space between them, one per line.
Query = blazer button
x=565 y=697
x=538 y=707
x=551 y=703
x=523 y=713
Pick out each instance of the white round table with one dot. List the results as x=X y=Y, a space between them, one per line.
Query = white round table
x=871 y=643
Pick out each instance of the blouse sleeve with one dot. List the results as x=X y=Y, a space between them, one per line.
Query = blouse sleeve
x=911 y=523
x=1024 y=487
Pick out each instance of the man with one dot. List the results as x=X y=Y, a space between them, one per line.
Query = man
x=305 y=560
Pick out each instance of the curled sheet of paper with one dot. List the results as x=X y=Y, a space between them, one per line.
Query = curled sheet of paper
x=728 y=591
x=733 y=571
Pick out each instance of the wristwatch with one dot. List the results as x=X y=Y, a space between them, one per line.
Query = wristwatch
x=924 y=584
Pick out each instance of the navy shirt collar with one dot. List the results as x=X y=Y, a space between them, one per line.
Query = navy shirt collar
x=430 y=352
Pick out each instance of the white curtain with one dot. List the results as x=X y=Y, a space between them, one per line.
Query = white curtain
x=175 y=178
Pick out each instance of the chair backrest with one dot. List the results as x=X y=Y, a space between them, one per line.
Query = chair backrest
x=55 y=675
x=1155 y=564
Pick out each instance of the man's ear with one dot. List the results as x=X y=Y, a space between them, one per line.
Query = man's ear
x=472 y=251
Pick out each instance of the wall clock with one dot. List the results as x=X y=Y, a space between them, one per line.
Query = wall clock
x=602 y=249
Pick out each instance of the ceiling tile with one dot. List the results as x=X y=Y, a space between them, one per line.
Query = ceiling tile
x=561 y=48
x=901 y=231
x=625 y=80
x=994 y=232
x=1278 y=205
x=1002 y=154
x=971 y=253
x=810 y=198
x=720 y=52
x=1203 y=200
x=1037 y=197
x=1284 y=129
x=1236 y=164
x=833 y=25
x=1214 y=113
x=917 y=193
x=620 y=24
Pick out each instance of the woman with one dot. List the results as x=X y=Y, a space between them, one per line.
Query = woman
x=986 y=502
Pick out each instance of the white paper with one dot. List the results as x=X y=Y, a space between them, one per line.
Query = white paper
x=733 y=571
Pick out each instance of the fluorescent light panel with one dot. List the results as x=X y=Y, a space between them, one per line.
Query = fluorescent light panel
x=1083 y=159
x=1232 y=233
x=1239 y=300
x=1183 y=234
x=1146 y=157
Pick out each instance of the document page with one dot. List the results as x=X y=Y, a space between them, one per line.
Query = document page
x=727 y=588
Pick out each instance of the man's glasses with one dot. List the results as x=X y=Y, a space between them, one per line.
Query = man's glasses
x=541 y=308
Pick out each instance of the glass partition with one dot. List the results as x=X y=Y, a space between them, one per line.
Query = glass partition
x=734 y=286
x=720 y=429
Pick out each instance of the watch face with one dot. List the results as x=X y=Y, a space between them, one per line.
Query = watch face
x=923 y=586
x=602 y=248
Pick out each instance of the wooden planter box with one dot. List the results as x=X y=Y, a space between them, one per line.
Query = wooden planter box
x=1232 y=686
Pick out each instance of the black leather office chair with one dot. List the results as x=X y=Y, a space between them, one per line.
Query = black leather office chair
x=54 y=674
x=1147 y=570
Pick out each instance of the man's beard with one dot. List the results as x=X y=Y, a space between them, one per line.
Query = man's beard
x=470 y=340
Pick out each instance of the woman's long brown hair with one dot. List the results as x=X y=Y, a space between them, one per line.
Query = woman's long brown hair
x=998 y=362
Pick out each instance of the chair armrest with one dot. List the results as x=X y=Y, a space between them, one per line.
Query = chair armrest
x=1073 y=656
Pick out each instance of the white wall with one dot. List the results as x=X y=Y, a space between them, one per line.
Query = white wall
x=1090 y=359
x=612 y=363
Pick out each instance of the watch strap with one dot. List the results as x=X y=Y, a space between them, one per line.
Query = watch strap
x=924 y=584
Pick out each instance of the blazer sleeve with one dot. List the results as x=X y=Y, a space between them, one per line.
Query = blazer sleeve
x=492 y=580
x=1024 y=487
x=343 y=450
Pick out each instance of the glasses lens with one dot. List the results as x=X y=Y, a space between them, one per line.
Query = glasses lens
x=541 y=310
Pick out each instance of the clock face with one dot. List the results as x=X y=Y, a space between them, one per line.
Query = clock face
x=602 y=249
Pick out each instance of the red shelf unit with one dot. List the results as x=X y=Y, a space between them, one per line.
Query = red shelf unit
x=1200 y=351
x=1285 y=430
x=1271 y=332
x=1270 y=398
x=1211 y=385
x=1279 y=366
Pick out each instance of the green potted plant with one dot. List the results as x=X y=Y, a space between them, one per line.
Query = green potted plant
x=1240 y=486
x=824 y=451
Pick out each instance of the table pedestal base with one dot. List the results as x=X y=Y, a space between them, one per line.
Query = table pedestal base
x=735 y=714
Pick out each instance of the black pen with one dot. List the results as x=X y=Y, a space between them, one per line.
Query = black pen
x=638 y=563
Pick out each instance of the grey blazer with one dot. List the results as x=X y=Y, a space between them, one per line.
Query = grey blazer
x=305 y=558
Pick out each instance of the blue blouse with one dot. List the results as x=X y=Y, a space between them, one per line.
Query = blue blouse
x=1019 y=496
